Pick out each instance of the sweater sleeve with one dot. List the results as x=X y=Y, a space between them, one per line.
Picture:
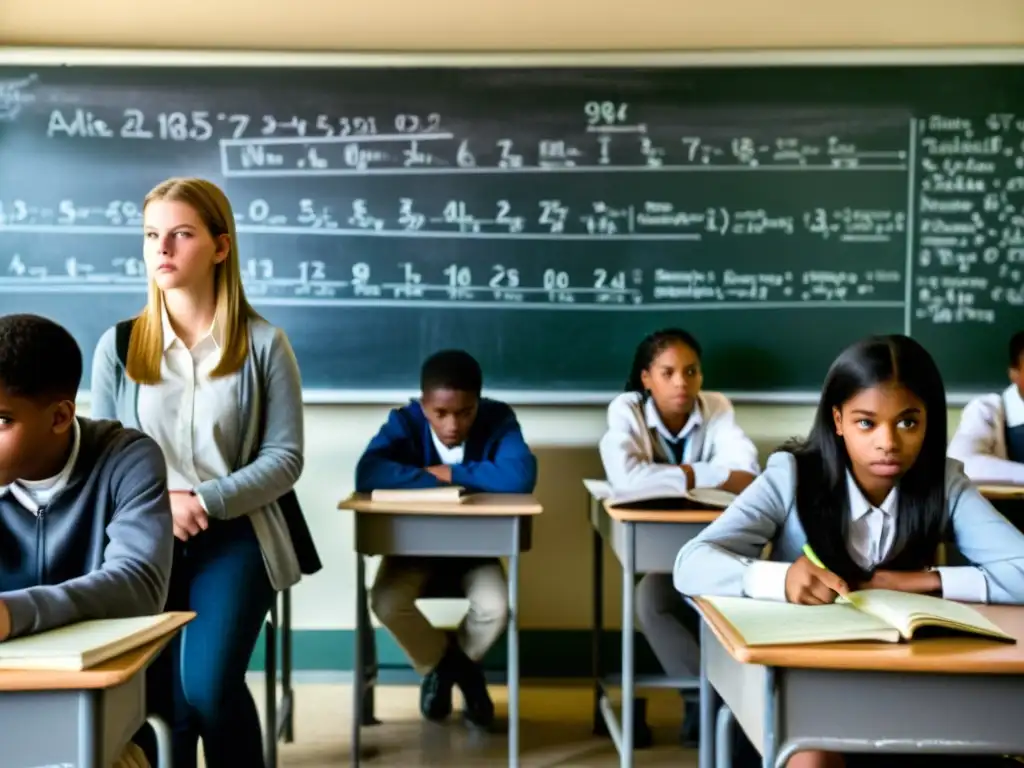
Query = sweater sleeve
x=279 y=461
x=134 y=575
x=512 y=470
x=390 y=460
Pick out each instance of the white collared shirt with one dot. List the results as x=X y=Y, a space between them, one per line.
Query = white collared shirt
x=636 y=457
x=695 y=422
x=980 y=439
x=448 y=455
x=35 y=494
x=869 y=541
x=194 y=418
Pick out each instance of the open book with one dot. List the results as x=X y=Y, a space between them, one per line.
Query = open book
x=660 y=497
x=872 y=614
x=86 y=643
x=445 y=494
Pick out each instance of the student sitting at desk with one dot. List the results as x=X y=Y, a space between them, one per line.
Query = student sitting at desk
x=451 y=435
x=664 y=432
x=990 y=438
x=85 y=519
x=873 y=494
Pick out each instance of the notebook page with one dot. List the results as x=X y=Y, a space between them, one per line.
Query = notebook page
x=765 y=622
x=77 y=639
x=901 y=608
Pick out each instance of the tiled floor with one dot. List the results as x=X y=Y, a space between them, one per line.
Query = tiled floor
x=554 y=731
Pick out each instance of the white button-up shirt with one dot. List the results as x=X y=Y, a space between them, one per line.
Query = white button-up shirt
x=194 y=418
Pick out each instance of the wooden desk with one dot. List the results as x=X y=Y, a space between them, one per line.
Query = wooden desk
x=483 y=525
x=644 y=541
x=939 y=696
x=1002 y=492
x=82 y=719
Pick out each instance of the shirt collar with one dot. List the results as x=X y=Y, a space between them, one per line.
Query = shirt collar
x=1013 y=406
x=860 y=506
x=654 y=421
x=171 y=338
x=56 y=483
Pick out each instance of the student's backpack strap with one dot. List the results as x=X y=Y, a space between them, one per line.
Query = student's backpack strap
x=123 y=336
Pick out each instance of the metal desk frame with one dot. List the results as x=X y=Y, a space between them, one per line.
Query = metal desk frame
x=280 y=717
x=780 y=709
x=641 y=547
x=438 y=535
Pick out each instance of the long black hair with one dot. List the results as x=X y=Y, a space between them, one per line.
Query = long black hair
x=822 y=460
x=652 y=346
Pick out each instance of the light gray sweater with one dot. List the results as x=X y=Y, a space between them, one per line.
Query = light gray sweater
x=271 y=457
x=716 y=561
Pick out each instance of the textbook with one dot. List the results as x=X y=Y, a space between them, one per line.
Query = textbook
x=881 y=615
x=660 y=497
x=86 y=643
x=445 y=494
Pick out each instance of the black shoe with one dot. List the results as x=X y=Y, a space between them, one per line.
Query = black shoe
x=436 y=690
x=689 y=734
x=479 y=709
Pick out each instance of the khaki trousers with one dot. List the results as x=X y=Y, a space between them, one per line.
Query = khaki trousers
x=403 y=580
x=132 y=757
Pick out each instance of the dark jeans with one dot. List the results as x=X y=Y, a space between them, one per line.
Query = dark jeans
x=198 y=683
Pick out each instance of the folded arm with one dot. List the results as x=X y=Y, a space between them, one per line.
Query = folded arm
x=391 y=460
x=512 y=470
x=733 y=464
x=627 y=465
x=992 y=544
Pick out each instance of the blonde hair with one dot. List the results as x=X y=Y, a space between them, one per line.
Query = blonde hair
x=232 y=313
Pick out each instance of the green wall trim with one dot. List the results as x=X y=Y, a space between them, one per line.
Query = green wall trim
x=561 y=653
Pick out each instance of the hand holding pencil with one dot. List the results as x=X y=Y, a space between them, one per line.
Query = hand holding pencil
x=809 y=582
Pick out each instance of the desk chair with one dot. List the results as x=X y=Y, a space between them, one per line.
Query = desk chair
x=280 y=718
x=282 y=725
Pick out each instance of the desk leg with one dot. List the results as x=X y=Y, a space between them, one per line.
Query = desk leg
x=288 y=695
x=628 y=591
x=597 y=622
x=358 y=678
x=90 y=730
x=709 y=702
x=163 y=741
x=723 y=737
x=771 y=720
x=513 y=650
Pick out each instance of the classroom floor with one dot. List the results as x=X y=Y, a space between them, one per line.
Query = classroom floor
x=554 y=731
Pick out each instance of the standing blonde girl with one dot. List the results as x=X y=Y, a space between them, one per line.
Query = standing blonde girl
x=218 y=388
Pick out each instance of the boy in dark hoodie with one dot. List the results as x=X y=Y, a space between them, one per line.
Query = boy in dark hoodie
x=85 y=520
x=450 y=436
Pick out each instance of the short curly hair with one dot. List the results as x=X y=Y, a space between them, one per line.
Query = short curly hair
x=451 y=369
x=39 y=359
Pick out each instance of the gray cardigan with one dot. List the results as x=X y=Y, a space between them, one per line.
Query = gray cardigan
x=271 y=457
x=714 y=562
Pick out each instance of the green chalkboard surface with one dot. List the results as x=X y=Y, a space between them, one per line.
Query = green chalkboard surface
x=543 y=219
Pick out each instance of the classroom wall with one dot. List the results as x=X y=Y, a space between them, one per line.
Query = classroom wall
x=555 y=575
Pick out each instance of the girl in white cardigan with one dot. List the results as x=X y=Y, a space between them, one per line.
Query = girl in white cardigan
x=664 y=432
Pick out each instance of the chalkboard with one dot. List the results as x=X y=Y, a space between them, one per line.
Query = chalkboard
x=543 y=219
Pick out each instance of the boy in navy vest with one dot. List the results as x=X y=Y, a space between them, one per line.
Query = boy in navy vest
x=85 y=519
x=990 y=437
x=450 y=436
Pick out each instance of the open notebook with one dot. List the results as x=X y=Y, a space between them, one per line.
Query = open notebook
x=872 y=614
x=445 y=494
x=660 y=497
x=85 y=644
